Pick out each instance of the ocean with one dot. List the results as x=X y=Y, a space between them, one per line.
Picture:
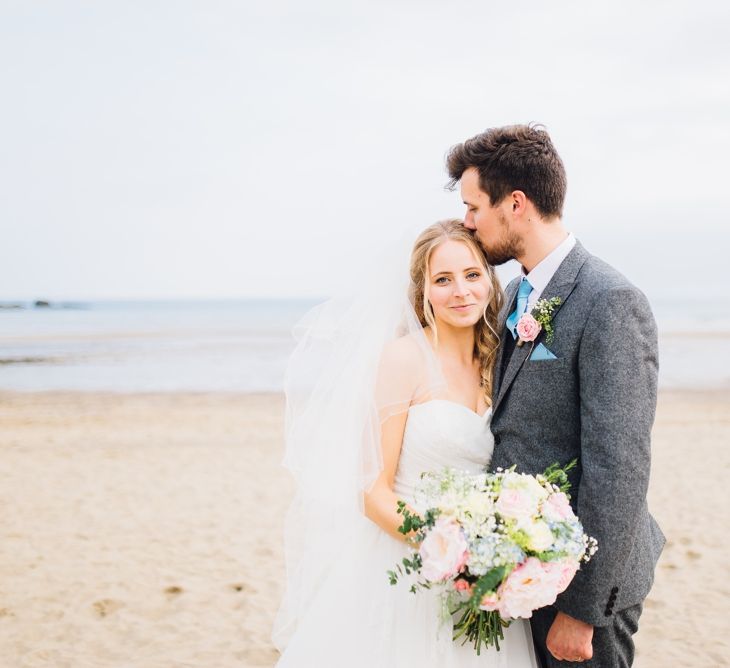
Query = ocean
x=243 y=345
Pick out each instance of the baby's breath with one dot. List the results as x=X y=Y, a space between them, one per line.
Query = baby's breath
x=543 y=313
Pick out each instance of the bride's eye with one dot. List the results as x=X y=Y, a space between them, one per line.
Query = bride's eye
x=473 y=274
x=441 y=280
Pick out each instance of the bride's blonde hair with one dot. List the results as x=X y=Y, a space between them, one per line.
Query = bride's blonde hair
x=486 y=338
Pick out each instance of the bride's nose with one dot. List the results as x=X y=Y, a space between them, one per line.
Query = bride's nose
x=461 y=288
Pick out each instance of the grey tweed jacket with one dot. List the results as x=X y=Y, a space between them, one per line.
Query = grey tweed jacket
x=595 y=402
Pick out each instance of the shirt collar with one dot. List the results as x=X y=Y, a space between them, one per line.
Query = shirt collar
x=541 y=274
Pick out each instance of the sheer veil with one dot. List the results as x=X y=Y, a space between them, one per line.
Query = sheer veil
x=360 y=358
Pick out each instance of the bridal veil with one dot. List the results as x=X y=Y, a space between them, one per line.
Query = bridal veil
x=340 y=387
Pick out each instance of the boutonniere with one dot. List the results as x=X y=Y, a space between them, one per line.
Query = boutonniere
x=531 y=324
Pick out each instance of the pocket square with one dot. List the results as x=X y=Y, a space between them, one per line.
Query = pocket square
x=541 y=353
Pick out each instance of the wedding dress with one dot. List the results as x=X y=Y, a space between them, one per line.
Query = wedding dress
x=355 y=618
x=361 y=358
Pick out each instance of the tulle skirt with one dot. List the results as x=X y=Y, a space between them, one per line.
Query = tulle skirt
x=357 y=619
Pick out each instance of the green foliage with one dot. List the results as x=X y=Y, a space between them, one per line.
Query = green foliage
x=431 y=515
x=557 y=475
x=521 y=539
x=543 y=313
x=486 y=583
x=413 y=564
x=406 y=567
x=415 y=523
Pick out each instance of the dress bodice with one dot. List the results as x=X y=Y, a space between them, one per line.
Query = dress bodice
x=441 y=433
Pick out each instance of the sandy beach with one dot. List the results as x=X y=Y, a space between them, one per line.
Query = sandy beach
x=144 y=530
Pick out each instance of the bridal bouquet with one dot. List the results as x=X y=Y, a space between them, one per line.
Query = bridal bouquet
x=498 y=545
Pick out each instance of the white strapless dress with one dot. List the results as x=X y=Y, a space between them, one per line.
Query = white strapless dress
x=357 y=619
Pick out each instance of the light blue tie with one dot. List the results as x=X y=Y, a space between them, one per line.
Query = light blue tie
x=522 y=294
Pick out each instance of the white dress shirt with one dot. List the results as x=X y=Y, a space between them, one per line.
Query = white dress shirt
x=541 y=274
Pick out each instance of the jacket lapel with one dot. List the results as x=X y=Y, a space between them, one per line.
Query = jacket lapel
x=507 y=307
x=561 y=285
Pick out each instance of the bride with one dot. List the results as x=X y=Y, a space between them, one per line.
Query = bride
x=382 y=387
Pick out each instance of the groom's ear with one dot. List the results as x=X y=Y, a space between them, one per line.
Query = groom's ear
x=519 y=202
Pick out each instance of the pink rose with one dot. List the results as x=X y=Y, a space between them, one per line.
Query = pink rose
x=557 y=508
x=561 y=573
x=516 y=504
x=489 y=602
x=528 y=328
x=443 y=551
x=462 y=585
x=527 y=588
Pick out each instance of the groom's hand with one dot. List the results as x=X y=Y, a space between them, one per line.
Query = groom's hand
x=569 y=639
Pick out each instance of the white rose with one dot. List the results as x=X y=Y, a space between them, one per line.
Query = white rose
x=539 y=535
x=448 y=504
x=526 y=483
x=479 y=504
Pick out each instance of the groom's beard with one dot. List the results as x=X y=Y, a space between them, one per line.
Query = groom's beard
x=509 y=247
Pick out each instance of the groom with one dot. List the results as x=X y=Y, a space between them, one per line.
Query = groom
x=586 y=392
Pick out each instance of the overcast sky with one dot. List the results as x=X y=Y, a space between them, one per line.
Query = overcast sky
x=157 y=149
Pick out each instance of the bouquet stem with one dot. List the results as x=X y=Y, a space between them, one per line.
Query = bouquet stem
x=480 y=627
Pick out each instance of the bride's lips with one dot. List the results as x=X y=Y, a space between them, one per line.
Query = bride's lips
x=462 y=307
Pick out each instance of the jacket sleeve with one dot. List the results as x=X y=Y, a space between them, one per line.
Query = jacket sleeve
x=617 y=367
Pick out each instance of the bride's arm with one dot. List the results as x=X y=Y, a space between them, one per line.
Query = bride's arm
x=401 y=366
x=381 y=502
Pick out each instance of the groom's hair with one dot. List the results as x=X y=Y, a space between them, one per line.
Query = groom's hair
x=514 y=157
